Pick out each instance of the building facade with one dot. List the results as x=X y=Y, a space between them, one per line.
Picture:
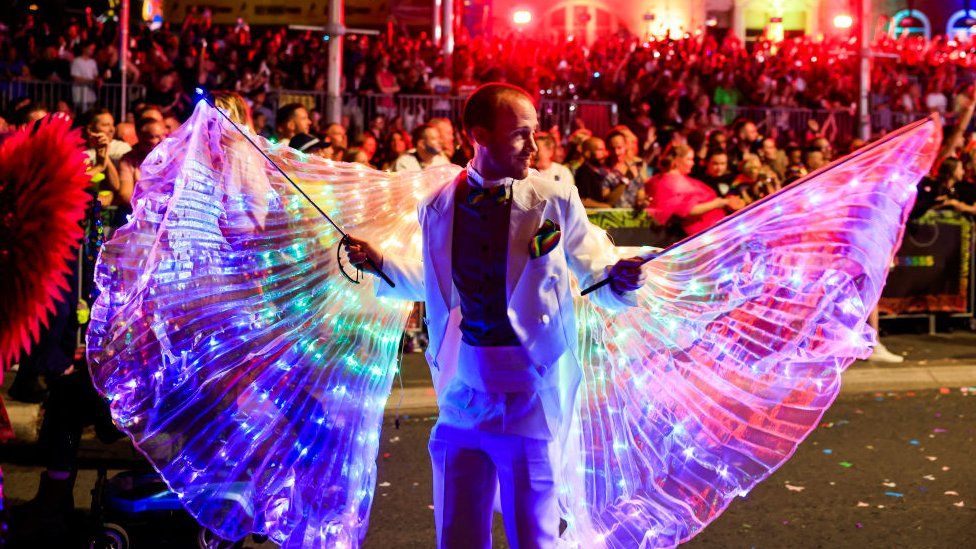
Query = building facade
x=588 y=19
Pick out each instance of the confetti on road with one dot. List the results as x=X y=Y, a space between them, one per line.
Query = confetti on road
x=929 y=477
x=952 y=493
x=895 y=494
x=846 y=464
x=931 y=458
x=828 y=451
x=384 y=484
x=960 y=504
x=888 y=484
x=862 y=504
x=913 y=442
x=792 y=488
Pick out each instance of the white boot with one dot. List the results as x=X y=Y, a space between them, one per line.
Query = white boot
x=882 y=354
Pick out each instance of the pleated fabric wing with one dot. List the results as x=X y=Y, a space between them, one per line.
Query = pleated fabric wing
x=254 y=377
x=238 y=359
x=735 y=350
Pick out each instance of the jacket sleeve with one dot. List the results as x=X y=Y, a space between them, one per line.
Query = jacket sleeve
x=590 y=254
x=407 y=274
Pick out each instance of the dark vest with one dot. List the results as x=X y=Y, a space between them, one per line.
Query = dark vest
x=478 y=256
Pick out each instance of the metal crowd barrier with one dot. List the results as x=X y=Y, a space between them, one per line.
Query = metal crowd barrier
x=81 y=97
x=796 y=120
x=598 y=116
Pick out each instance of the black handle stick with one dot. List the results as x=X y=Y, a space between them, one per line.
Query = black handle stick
x=597 y=286
x=342 y=233
x=607 y=280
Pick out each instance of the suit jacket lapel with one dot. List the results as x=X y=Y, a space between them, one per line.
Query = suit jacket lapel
x=440 y=229
x=526 y=217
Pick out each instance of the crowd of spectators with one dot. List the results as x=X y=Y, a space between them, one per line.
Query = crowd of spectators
x=674 y=82
x=672 y=156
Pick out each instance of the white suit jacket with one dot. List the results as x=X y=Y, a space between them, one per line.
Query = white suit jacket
x=540 y=303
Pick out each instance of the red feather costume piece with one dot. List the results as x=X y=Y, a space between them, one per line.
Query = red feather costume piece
x=43 y=198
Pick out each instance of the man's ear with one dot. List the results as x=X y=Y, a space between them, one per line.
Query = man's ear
x=479 y=135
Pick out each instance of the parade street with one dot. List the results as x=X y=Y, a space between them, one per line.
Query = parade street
x=891 y=467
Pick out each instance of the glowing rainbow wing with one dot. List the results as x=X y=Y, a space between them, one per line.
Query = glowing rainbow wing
x=250 y=373
x=736 y=349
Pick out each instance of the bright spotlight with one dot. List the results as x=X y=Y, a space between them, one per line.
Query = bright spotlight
x=522 y=17
x=843 y=21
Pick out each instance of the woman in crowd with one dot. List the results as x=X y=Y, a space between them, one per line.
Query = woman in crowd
x=956 y=191
x=755 y=180
x=673 y=194
x=397 y=142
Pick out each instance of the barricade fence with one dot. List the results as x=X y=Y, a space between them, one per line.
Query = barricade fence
x=81 y=97
x=568 y=115
x=933 y=272
x=796 y=121
x=597 y=116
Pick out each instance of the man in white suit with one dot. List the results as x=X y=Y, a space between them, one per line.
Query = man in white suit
x=498 y=247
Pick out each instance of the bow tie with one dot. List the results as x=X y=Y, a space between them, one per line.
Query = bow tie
x=499 y=194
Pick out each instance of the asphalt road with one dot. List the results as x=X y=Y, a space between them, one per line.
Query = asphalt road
x=883 y=470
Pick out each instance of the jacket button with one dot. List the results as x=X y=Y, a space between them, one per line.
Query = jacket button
x=544 y=319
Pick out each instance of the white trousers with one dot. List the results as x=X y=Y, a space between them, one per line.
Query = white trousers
x=469 y=466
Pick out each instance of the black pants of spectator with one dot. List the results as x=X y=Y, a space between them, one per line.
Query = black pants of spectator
x=54 y=350
x=72 y=405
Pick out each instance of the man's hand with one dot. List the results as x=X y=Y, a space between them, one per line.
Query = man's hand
x=360 y=251
x=626 y=275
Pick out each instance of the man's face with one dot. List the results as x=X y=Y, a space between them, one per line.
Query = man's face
x=769 y=149
x=447 y=134
x=151 y=135
x=104 y=124
x=595 y=152
x=510 y=144
x=619 y=146
x=815 y=160
x=749 y=133
x=718 y=165
x=89 y=50
x=337 y=135
x=431 y=143
x=300 y=123
x=824 y=146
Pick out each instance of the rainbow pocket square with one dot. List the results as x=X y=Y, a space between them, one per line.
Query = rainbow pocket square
x=545 y=239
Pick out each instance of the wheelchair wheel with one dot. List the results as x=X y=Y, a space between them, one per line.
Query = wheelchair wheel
x=111 y=536
x=209 y=540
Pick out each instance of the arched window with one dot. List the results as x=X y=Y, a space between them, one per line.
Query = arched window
x=586 y=19
x=955 y=26
x=925 y=29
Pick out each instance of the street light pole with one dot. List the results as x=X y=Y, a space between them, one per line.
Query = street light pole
x=336 y=30
x=447 y=46
x=123 y=54
x=864 y=70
